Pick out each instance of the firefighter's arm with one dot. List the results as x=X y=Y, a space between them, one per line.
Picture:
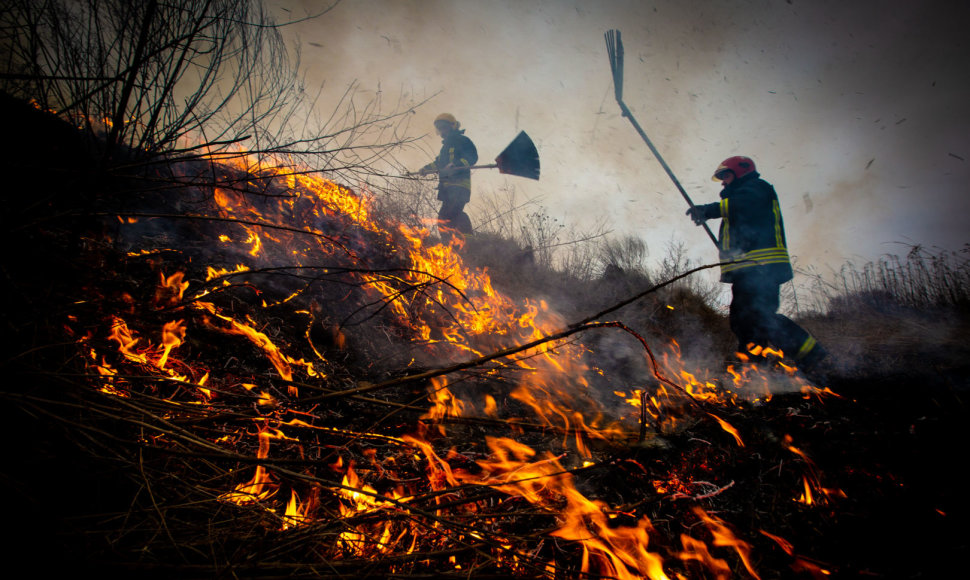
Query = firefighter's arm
x=463 y=155
x=469 y=154
x=456 y=161
x=701 y=213
x=429 y=168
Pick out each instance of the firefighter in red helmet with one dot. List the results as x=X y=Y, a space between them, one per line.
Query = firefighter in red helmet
x=457 y=154
x=755 y=261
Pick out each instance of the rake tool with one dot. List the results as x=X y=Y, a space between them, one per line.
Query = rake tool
x=614 y=49
x=520 y=158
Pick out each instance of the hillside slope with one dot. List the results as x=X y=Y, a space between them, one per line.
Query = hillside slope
x=265 y=377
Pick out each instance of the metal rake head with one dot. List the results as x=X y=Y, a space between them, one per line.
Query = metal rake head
x=614 y=49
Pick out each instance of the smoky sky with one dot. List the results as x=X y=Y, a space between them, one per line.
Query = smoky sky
x=857 y=111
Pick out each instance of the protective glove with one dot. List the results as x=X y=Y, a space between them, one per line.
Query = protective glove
x=696 y=214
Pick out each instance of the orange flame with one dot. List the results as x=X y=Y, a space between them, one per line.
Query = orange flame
x=170 y=290
x=262 y=486
x=297 y=513
x=619 y=552
x=173 y=333
x=553 y=386
x=279 y=360
x=724 y=537
x=729 y=428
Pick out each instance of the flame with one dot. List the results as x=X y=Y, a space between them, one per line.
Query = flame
x=619 y=552
x=126 y=341
x=170 y=290
x=454 y=313
x=201 y=383
x=812 y=489
x=443 y=402
x=697 y=551
x=280 y=361
x=108 y=373
x=782 y=542
x=806 y=497
x=156 y=356
x=491 y=407
x=728 y=428
x=173 y=333
x=254 y=241
x=361 y=498
x=213 y=273
x=805 y=565
x=724 y=537
x=262 y=486
x=801 y=564
x=297 y=513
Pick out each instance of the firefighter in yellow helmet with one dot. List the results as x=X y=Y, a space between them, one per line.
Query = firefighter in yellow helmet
x=457 y=154
x=755 y=261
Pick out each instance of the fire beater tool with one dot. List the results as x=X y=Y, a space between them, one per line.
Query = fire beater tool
x=614 y=49
x=520 y=158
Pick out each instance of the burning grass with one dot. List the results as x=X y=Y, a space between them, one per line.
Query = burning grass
x=274 y=380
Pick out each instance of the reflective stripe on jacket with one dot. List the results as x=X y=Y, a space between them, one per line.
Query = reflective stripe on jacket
x=457 y=151
x=752 y=234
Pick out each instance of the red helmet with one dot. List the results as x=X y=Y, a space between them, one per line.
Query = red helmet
x=739 y=165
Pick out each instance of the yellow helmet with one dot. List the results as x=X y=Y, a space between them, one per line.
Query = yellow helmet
x=447 y=118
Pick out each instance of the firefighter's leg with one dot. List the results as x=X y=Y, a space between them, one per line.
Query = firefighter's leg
x=763 y=325
x=448 y=218
x=463 y=223
x=745 y=315
x=760 y=323
x=799 y=344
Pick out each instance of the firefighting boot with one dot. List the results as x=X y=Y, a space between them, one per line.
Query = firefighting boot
x=816 y=366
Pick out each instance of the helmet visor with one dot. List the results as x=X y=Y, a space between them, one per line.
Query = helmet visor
x=721 y=173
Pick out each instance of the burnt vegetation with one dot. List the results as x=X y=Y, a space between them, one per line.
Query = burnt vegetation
x=165 y=405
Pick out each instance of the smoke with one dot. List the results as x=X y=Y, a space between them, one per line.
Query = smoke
x=811 y=91
x=855 y=112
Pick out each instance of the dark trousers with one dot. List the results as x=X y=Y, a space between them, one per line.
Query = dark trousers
x=451 y=217
x=755 y=318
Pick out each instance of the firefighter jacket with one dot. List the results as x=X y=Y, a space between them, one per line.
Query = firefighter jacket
x=454 y=184
x=752 y=234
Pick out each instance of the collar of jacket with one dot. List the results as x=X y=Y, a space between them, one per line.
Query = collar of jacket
x=727 y=189
x=453 y=134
